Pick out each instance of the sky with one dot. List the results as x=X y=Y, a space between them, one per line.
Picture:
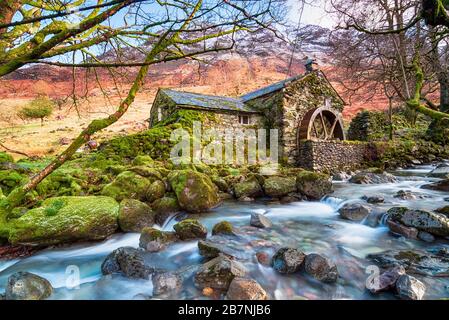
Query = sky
x=313 y=13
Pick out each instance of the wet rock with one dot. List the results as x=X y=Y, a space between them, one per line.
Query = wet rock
x=223 y=227
x=127 y=185
x=194 y=190
x=425 y=236
x=134 y=215
x=441 y=171
x=443 y=210
x=263 y=258
x=431 y=263
x=221 y=184
x=190 y=229
x=313 y=185
x=287 y=260
x=408 y=232
x=405 y=195
x=260 y=221
x=246 y=199
x=245 y=289
x=415 y=162
x=372 y=178
x=277 y=187
x=164 y=208
x=27 y=286
x=442 y=185
x=154 y=240
x=446 y=199
x=374 y=199
x=341 y=176
x=127 y=261
x=354 y=211
x=250 y=188
x=434 y=223
x=387 y=280
x=410 y=288
x=222 y=244
x=218 y=273
x=320 y=268
x=155 y=191
x=166 y=283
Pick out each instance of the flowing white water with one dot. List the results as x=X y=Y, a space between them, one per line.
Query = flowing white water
x=311 y=226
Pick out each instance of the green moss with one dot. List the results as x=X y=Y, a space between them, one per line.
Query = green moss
x=190 y=229
x=127 y=185
x=310 y=176
x=54 y=207
x=9 y=179
x=143 y=160
x=223 y=227
x=4 y=157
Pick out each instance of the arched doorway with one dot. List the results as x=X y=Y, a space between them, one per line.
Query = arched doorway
x=321 y=124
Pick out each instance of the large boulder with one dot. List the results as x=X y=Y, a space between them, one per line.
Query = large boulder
x=245 y=289
x=320 y=268
x=190 y=229
x=313 y=185
x=430 y=222
x=164 y=208
x=250 y=188
x=441 y=171
x=155 y=191
x=354 y=211
x=154 y=240
x=66 y=219
x=128 y=262
x=218 y=273
x=27 y=286
x=368 y=177
x=287 y=260
x=127 y=185
x=410 y=288
x=134 y=215
x=194 y=190
x=442 y=185
x=278 y=187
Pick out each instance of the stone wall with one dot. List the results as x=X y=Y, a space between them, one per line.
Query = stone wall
x=332 y=156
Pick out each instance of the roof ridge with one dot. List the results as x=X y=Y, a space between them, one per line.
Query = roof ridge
x=200 y=94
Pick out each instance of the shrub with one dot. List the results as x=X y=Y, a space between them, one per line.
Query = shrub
x=39 y=108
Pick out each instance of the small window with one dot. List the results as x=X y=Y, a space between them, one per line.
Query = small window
x=244 y=119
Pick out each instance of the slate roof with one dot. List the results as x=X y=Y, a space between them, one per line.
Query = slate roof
x=207 y=101
x=269 y=89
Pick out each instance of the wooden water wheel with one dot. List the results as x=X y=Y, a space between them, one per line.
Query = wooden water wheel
x=321 y=124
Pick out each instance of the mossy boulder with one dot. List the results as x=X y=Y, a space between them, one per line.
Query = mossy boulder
x=9 y=179
x=249 y=188
x=223 y=227
x=434 y=223
x=147 y=172
x=156 y=191
x=194 y=190
x=154 y=240
x=313 y=185
x=143 y=160
x=164 y=207
x=221 y=183
x=190 y=229
x=134 y=215
x=66 y=219
x=127 y=185
x=277 y=187
x=4 y=157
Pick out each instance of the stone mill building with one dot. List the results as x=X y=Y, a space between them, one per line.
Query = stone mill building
x=306 y=109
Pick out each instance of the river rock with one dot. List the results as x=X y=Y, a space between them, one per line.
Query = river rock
x=260 y=221
x=134 y=215
x=190 y=229
x=127 y=185
x=377 y=198
x=408 y=232
x=442 y=185
x=405 y=195
x=65 y=219
x=313 y=185
x=387 y=280
x=341 y=176
x=278 y=187
x=287 y=260
x=223 y=227
x=222 y=244
x=127 y=261
x=441 y=171
x=425 y=236
x=27 y=286
x=434 y=223
x=245 y=289
x=155 y=191
x=443 y=210
x=354 y=211
x=194 y=190
x=218 y=273
x=320 y=268
x=250 y=188
x=154 y=240
x=165 y=207
x=410 y=288
x=167 y=283
x=372 y=178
